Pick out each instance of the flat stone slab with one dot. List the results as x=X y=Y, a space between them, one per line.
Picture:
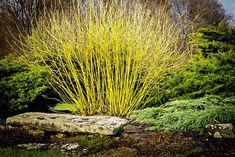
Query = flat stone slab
x=106 y=125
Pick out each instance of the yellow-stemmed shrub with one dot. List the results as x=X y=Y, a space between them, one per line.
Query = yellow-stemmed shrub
x=105 y=58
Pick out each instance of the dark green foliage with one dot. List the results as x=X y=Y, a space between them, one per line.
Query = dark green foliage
x=211 y=71
x=20 y=87
x=10 y=152
x=212 y=75
x=188 y=115
x=214 y=39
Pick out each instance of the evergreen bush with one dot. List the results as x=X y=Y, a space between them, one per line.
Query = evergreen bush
x=188 y=115
x=21 y=88
x=210 y=71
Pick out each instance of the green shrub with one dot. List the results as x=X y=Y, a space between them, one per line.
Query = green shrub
x=214 y=74
x=20 y=88
x=214 y=39
x=211 y=71
x=106 y=58
x=188 y=115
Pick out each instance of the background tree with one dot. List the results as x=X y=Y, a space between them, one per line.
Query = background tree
x=201 y=12
x=190 y=15
x=18 y=16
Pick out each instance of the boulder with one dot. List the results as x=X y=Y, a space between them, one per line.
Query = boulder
x=70 y=148
x=106 y=125
x=219 y=130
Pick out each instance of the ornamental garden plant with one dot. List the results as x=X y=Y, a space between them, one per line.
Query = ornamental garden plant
x=105 y=58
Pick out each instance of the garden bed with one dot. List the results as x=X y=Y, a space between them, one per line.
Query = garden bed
x=147 y=143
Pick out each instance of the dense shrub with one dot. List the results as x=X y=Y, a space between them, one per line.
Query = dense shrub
x=21 y=89
x=210 y=71
x=188 y=115
x=214 y=39
x=106 y=57
x=214 y=74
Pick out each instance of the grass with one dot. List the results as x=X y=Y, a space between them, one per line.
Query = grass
x=188 y=115
x=62 y=107
x=11 y=152
x=105 y=58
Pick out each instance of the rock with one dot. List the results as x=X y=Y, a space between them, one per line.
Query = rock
x=71 y=148
x=217 y=135
x=59 y=136
x=135 y=131
x=219 y=130
x=129 y=128
x=34 y=132
x=31 y=146
x=106 y=125
x=137 y=137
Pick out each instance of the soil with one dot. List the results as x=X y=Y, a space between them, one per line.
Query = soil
x=135 y=141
